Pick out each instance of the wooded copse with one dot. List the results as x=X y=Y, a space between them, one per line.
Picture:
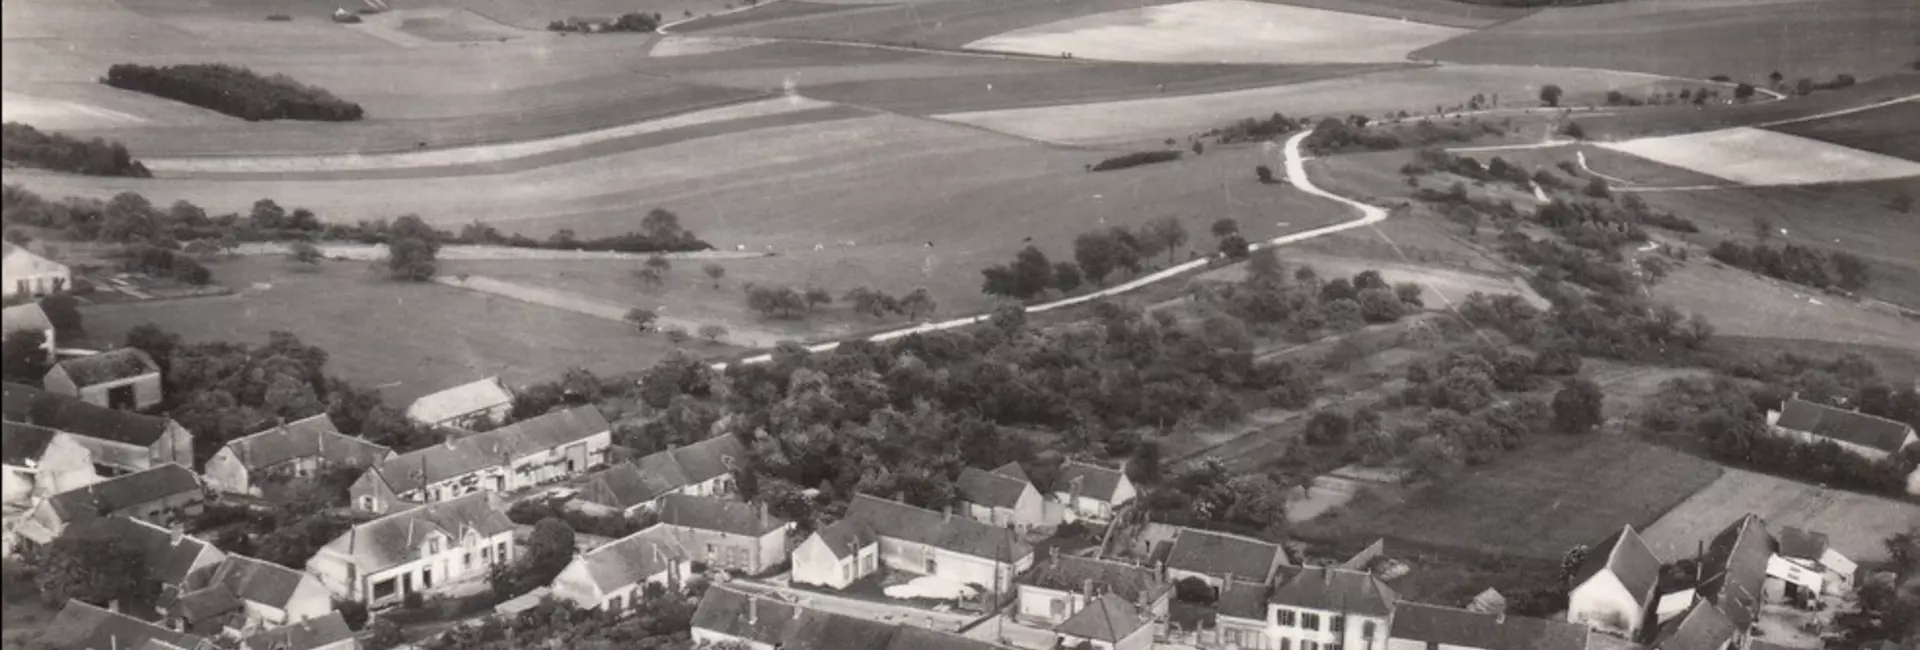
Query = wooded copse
x=235 y=91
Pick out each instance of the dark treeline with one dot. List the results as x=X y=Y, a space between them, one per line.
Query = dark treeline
x=25 y=145
x=1797 y=264
x=234 y=91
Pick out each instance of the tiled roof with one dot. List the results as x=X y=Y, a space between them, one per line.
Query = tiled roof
x=1630 y=559
x=313 y=437
x=114 y=365
x=1336 y=590
x=206 y=604
x=258 y=581
x=169 y=562
x=907 y=637
x=1735 y=568
x=73 y=416
x=632 y=559
x=1243 y=599
x=84 y=626
x=1446 y=626
x=1095 y=482
x=462 y=456
x=939 y=530
x=1012 y=470
x=23 y=443
x=718 y=514
x=304 y=635
x=827 y=631
x=704 y=460
x=847 y=536
x=1704 y=627
x=1221 y=554
x=757 y=618
x=27 y=317
x=1804 y=544
x=1107 y=618
x=1072 y=573
x=649 y=477
x=460 y=400
x=121 y=492
x=16 y=401
x=394 y=539
x=990 y=489
x=1844 y=425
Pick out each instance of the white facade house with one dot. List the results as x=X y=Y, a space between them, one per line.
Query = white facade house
x=837 y=555
x=126 y=379
x=1868 y=436
x=1002 y=497
x=29 y=274
x=467 y=406
x=39 y=462
x=1061 y=586
x=536 y=451
x=29 y=318
x=1093 y=492
x=297 y=449
x=379 y=562
x=922 y=542
x=616 y=576
x=1613 y=592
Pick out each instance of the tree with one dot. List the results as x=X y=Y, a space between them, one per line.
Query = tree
x=917 y=302
x=1776 y=78
x=1224 y=226
x=1550 y=95
x=659 y=263
x=94 y=567
x=1577 y=406
x=1328 y=428
x=1264 y=267
x=715 y=272
x=412 y=246
x=25 y=356
x=1168 y=233
x=662 y=226
x=869 y=301
x=676 y=333
x=1264 y=173
x=776 y=302
x=1763 y=228
x=384 y=633
x=1234 y=246
x=1853 y=271
x=267 y=215
x=1574 y=130
x=1066 y=277
x=1409 y=293
x=156 y=342
x=1743 y=92
x=304 y=252
x=63 y=313
x=641 y=319
x=1029 y=275
x=712 y=332
x=1381 y=306
x=816 y=296
x=1097 y=254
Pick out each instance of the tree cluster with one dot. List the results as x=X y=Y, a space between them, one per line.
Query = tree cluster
x=234 y=91
x=1135 y=159
x=1205 y=493
x=657 y=621
x=868 y=301
x=1332 y=136
x=627 y=22
x=1797 y=264
x=530 y=512
x=1250 y=129
x=25 y=145
x=1303 y=306
x=1729 y=420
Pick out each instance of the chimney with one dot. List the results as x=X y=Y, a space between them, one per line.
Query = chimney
x=763 y=514
x=753 y=610
x=175 y=534
x=1700 y=562
x=1086 y=588
x=949 y=514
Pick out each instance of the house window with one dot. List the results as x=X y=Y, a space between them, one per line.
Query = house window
x=366 y=502
x=1283 y=617
x=1309 y=645
x=1057 y=608
x=501 y=552
x=1366 y=630
x=383 y=589
x=1286 y=643
x=466 y=561
x=712 y=550
x=616 y=605
x=1337 y=623
x=1310 y=622
x=932 y=566
x=1230 y=636
x=433 y=545
x=846 y=572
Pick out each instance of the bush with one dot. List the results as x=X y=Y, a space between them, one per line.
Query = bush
x=1574 y=130
x=45 y=150
x=1136 y=159
x=1264 y=173
x=234 y=91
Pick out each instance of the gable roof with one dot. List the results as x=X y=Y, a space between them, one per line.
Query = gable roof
x=170 y=562
x=314 y=437
x=1704 y=627
x=1096 y=482
x=1107 y=618
x=112 y=365
x=846 y=537
x=122 y=492
x=1012 y=470
x=21 y=444
x=704 y=460
x=451 y=403
x=815 y=630
x=940 y=530
x=1804 y=544
x=16 y=401
x=461 y=456
x=1243 y=599
x=647 y=478
x=256 y=580
x=1433 y=624
x=752 y=617
x=1334 y=589
x=1735 y=567
x=990 y=489
x=304 y=635
x=1221 y=554
x=717 y=514
x=1844 y=425
x=632 y=559
x=80 y=418
x=206 y=605
x=1072 y=573
x=80 y=625
x=27 y=317
x=772 y=621
x=1628 y=556
x=395 y=538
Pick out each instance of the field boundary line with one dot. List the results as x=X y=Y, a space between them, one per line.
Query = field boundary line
x=1296 y=171
x=1838 y=113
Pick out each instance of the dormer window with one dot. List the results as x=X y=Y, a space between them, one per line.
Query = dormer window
x=433 y=545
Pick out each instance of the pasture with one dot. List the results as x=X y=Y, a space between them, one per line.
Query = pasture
x=1888 y=130
x=1740 y=303
x=1223 y=31
x=1760 y=157
x=1855 y=524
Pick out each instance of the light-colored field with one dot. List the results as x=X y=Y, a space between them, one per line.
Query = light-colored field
x=1441 y=286
x=1223 y=31
x=1759 y=157
x=1855 y=524
x=1413 y=90
x=1887 y=129
x=697 y=45
x=1743 y=304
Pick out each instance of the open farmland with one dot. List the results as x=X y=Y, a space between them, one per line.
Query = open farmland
x=1855 y=524
x=410 y=338
x=1668 y=120
x=949 y=24
x=1223 y=31
x=1759 y=157
x=1746 y=40
x=1892 y=130
x=1740 y=303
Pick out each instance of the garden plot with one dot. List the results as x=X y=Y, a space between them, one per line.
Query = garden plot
x=1759 y=157
x=1223 y=31
x=1855 y=524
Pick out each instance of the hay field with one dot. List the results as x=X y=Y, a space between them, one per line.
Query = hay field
x=1746 y=40
x=1892 y=130
x=1223 y=31
x=1446 y=13
x=1759 y=157
x=1743 y=304
x=1381 y=92
x=947 y=24
x=1855 y=524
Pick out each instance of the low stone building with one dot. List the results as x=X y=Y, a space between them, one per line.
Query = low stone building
x=126 y=379
x=297 y=449
x=616 y=575
x=1216 y=557
x=725 y=534
x=120 y=441
x=1003 y=497
x=163 y=495
x=918 y=541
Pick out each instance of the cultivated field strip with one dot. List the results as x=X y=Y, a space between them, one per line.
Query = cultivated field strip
x=1223 y=31
x=1752 y=156
x=1855 y=524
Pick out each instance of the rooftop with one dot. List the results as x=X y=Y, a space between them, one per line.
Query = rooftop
x=1628 y=556
x=632 y=559
x=27 y=317
x=1703 y=628
x=939 y=530
x=1447 y=626
x=122 y=492
x=110 y=366
x=460 y=400
x=1107 y=617
x=1334 y=590
x=1094 y=481
x=304 y=635
x=990 y=489
x=80 y=625
x=80 y=418
x=170 y=561
x=1221 y=554
x=630 y=484
x=1073 y=573
x=24 y=444
x=313 y=437
x=1843 y=425
x=396 y=538
x=461 y=456
x=1735 y=567
x=718 y=514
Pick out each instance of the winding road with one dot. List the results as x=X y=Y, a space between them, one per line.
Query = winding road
x=1296 y=169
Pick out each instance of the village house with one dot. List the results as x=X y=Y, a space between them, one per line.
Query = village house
x=540 y=450
x=837 y=555
x=1213 y=557
x=1804 y=568
x=328 y=632
x=921 y=542
x=126 y=379
x=80 y=626
x=379 y=562
x=616 y=575
x=1003 y=497
x=120 y=441
x=1241 y=615
x=1704 y=627
x=1868 y=436
x=1419 y=626
x=297 y=449
x=29 y=274
x=162 y=495
x=726 y=534
x=242 y=595
x=1330 y=607
x=1613 y=592
x=703 y=468
x=1060 y=586
x=1734 y=571
x=39 y=462
x=1091 y=491
x=760 y=622
x=173 y=558
x=29 y=317
x=478 y=405
x=1108 y=622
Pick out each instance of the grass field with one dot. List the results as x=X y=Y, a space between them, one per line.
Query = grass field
x=1886 y=130
x=1667 y=120
x=1537 y=502
x=1855 y=524
x=1761 y=157
x=1865 y=38
x=1447 y=13
x=1223 y=31
x=1740 y=303
x=929 y=23
x=410 y=338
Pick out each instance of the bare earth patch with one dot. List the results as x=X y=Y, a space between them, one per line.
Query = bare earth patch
x=1223 y=31
x=1855 y=524
x=1759 y=157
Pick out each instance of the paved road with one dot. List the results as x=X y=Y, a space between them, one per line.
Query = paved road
x=1295 y=165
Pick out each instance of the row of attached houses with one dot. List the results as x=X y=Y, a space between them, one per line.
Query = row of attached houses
x=298 y=449
x=1006 y=497
x=760 y=622
x=119 y=441
x=903 y=537
x=703 y=468
x=379 y=562
x=163 y=495
x=80 y=626
x=719 y=533
x=539 y=450
x=1868 y=436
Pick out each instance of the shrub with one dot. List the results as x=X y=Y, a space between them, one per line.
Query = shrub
x=1264 y=173
x=1136 y=159
x=35 y=148
x=234 y=91
x=634 y=22
x=1574 y=130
